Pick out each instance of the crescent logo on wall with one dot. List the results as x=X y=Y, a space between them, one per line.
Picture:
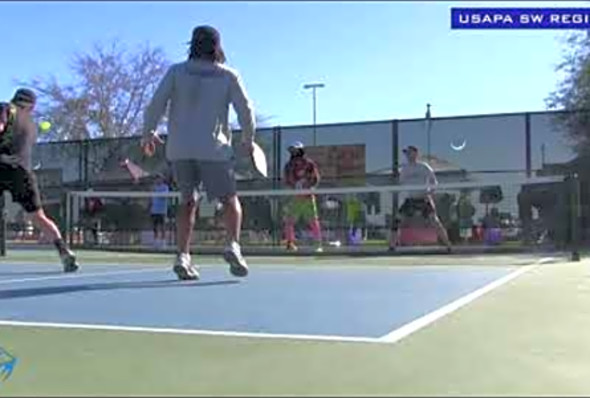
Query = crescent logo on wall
x=458 y=144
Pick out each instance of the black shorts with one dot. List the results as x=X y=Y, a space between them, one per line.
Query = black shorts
x=22 y=185
x=413 y=205
x=158 y=220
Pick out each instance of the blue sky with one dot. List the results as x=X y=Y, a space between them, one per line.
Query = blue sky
x=379 y=60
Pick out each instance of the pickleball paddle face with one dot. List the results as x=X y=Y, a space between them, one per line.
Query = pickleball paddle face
x=135 y=171
x=259 y=160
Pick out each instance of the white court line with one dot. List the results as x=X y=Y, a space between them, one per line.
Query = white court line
x=80 y=275
x=417 y=324
x=115 y=328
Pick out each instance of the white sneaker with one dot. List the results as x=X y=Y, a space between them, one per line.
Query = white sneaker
x=233 y=256
x=184 y=269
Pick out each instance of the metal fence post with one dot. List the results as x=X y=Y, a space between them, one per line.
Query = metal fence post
x=395 y=168
x=275 y=204
x=575 y=214
x=527 y=143
x=3 y=225
x=85 y=147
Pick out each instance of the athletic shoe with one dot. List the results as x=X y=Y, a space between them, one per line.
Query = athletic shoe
x=319 y=249
x=183 y=268
x=68 y=259
x=291 y=247
x=233 y=256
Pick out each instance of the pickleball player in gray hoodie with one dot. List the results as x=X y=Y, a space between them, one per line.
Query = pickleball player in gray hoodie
x=196 y=94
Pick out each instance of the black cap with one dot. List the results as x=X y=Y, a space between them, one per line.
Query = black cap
x=410 y=148
x=24 y=96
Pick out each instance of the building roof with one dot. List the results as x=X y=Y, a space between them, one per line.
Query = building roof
x=439 y=165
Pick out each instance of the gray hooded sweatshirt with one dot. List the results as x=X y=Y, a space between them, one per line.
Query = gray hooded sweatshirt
x=197 y=94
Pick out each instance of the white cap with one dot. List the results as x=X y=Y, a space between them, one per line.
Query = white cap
x=296 y=145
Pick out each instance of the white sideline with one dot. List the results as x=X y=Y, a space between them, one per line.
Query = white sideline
x=417 y=324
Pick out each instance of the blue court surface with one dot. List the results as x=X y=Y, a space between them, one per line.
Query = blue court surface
x=347 y=302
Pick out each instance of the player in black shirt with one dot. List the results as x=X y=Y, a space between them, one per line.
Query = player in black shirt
x=18 y=134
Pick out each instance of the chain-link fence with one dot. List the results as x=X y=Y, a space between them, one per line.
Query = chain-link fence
x=484 y=148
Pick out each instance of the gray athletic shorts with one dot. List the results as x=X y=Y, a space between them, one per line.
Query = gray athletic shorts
x=217 y=177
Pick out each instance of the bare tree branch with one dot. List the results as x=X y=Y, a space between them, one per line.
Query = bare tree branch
x=111 y=87
x=572 y=95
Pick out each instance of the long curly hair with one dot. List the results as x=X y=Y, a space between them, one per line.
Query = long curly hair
x=206 y=44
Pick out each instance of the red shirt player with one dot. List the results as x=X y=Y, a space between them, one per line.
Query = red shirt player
x=301 y=173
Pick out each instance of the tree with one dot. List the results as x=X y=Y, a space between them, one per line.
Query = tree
x=572 y=96
x=108 y=88
x=111 y=87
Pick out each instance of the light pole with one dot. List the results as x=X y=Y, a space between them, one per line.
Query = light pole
x=314 y=87
x=428 y=130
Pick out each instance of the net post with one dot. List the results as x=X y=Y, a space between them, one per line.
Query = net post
x=69 y=231
x=2 y=225
x=173 y=233
x=575 y=215
x=275 y=204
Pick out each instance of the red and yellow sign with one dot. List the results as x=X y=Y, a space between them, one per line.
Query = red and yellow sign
x=339 y=161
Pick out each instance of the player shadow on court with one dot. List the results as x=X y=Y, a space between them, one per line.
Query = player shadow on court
x=90 y=287
x=31 y=273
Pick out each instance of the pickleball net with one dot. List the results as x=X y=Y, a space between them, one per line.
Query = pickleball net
x=522 y=213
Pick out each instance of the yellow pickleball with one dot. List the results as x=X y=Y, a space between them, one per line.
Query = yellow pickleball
x=44 y=126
